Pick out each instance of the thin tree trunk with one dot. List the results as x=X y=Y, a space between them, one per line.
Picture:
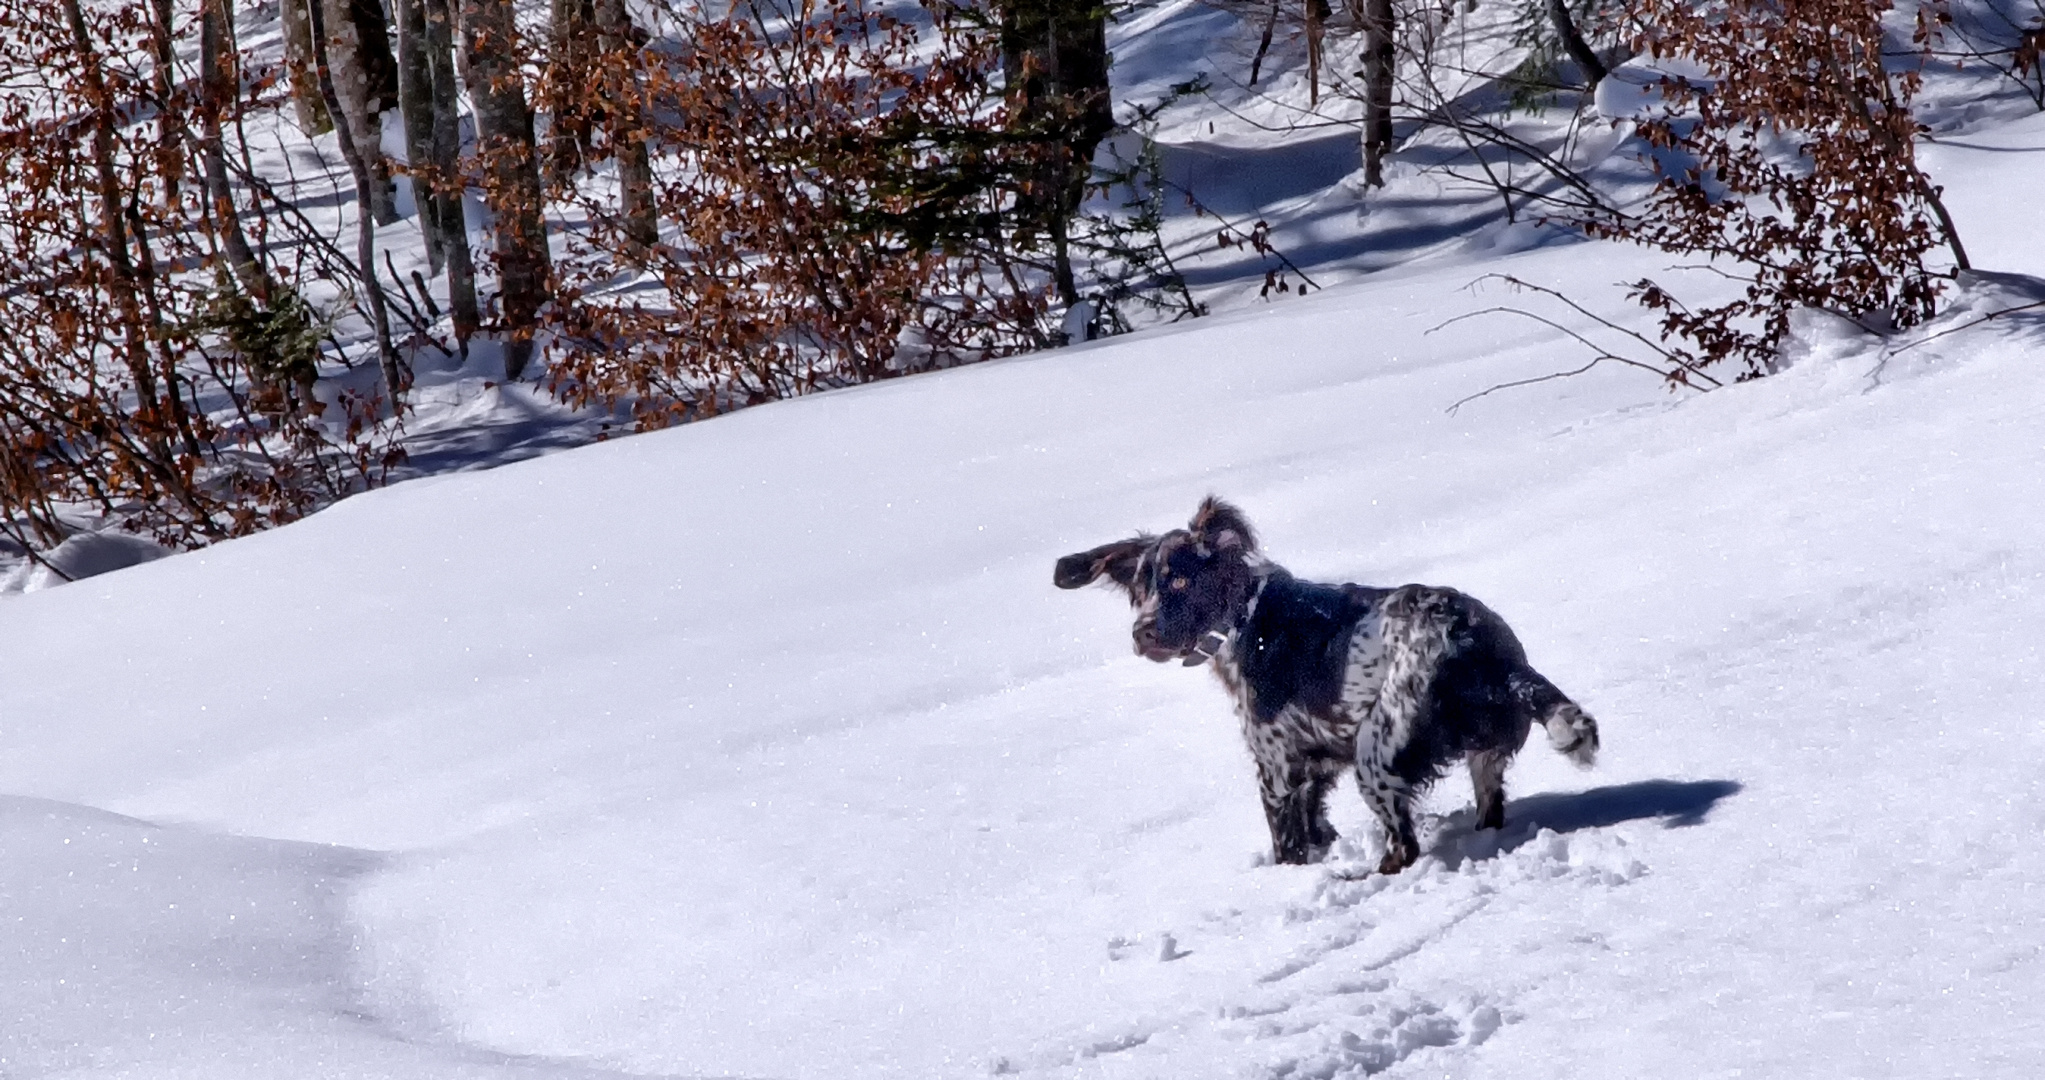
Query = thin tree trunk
x=628 y=126
x=511 y=164
x=217 y=85
x=461 y=55
x=572 y=109
x=415 y=102
x=1573 y=43
x=218 y=81
x=1317 y=14
x=446 y=179
x=1851 y=97
x=1264 y=42
x=170 y=160
x=122 y=281
x=1380 y=55
x=365 y=225
x=1931 y=193
x=353 y=52
x=306 y=100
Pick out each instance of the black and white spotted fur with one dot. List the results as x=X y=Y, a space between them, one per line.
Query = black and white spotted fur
x=1397 y=683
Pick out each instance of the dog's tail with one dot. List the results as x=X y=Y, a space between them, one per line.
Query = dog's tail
x=1571 y=731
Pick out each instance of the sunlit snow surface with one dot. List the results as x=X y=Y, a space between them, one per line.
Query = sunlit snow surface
x=765 y=748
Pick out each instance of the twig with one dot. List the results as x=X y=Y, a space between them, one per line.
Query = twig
x=1875 y=373
x=1489 y=390
x=1587 y=343
x=412 y=314
x=1676 y=375
x=1601 y=321
x=1270 y=248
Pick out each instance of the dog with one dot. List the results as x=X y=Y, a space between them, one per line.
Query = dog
x=1397 y=683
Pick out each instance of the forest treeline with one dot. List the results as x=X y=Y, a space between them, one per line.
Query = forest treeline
x=691 y=209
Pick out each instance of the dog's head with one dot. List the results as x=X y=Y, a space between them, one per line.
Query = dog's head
x=1188 y=586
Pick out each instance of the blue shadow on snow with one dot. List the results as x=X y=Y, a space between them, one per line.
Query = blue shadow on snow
x=1679 y=803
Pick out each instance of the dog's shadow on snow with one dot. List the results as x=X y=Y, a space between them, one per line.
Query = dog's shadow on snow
x=1677 y=804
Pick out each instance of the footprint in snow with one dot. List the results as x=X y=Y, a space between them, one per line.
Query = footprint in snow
x=1378 y=1039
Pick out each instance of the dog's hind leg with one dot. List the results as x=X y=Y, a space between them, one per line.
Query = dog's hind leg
x=1386 y=789
x=1487 y=776
x=1390 y=759
x=1390 y=798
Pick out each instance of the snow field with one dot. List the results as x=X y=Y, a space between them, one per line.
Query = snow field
x=765 y=748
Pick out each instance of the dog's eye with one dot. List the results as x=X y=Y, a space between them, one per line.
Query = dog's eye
x=1179 y=584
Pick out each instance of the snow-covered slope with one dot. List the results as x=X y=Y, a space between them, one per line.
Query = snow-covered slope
x=764 y=747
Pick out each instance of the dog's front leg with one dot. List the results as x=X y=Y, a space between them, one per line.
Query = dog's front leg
x=1289 y=810
x=1320 y=831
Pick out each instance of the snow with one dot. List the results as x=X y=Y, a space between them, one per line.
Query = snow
x=764 y=747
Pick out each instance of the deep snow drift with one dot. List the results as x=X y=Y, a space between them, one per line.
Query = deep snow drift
x=764 y=747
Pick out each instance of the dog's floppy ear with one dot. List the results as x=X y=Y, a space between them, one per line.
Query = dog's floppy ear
x=1222 y=527
x=1117 y=560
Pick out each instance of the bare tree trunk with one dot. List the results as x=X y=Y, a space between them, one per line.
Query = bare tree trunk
x=306 y=101
x=1573 y=43
x=1317 y=17
x=572 y=109
x=511 y=164
x=217 y=83
x=170 y=163
x=365 y=226
x=628 y=124
x=415 y=102
x=446 y=179
x=1380 y=56
x=1931 y=193
x=357 y=63
x=1264 y=42
x=454 y=22
x=112 y=217
x=1854 y=99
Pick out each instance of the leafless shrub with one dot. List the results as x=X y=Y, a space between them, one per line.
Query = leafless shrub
x=1495 y=103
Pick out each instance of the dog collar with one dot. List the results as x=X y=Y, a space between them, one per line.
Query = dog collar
x=1204 y=649
x=1212 y=641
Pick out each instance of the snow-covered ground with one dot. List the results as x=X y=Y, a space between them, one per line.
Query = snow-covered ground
x=764 y=747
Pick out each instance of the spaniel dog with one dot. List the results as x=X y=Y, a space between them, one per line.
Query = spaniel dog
x=1401 y=683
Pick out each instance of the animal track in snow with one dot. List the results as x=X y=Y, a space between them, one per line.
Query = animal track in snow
x=1346 y=997
x=1371 y=1039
